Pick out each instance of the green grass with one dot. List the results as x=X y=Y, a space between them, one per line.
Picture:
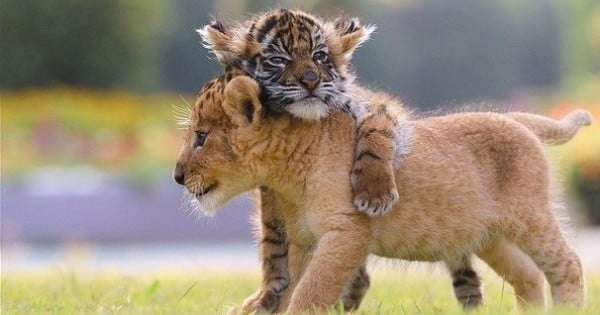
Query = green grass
x=179 y=292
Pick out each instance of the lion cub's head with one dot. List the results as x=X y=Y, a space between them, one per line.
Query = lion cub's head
x=212 y=163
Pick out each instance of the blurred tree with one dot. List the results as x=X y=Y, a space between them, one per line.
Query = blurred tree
x=185 y=65
x=443 y=52
x=580 y=39
x=108 y=43
x=323 y=8
x=430 y=52
x=535 y=28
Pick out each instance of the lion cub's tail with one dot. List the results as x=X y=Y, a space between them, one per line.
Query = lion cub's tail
x=552 y=131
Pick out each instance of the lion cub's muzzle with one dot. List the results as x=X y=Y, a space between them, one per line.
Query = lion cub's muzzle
x=179 y=174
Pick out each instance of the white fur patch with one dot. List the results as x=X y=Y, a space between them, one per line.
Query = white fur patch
x=403 y=136
x=310 y=108
x=207 y=204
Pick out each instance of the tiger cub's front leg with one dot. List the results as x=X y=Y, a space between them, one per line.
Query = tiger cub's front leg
x=356 y=290
x=372 y=176
x=274 y=257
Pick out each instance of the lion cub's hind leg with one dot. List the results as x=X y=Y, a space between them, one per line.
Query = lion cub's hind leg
x=548 y=248
x=466 y=283
x=514 y=266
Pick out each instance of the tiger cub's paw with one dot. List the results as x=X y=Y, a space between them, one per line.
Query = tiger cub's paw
x=263 y=301
x=374 y=187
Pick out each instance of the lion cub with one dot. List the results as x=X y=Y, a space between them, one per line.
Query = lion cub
x=474 y=184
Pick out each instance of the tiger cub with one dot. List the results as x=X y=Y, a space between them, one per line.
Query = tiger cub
x=302 y=65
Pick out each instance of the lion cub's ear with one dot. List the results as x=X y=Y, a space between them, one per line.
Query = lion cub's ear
x=222 y=41
x=242 y=101
x=351 y=34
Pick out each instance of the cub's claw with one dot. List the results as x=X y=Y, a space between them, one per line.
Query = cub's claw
x=376 y=206
x=374 y=189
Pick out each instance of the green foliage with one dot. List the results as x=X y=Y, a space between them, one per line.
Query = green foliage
x=183 y=64
x=580 y=32
x=180 y=292
x=77 y=42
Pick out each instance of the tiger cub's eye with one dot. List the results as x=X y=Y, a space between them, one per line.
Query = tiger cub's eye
x=320 y=56
x=277 y=60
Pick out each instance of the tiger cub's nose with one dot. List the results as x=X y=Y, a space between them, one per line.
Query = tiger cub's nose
x=310 y=79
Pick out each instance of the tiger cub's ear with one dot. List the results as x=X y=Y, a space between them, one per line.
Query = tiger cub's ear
x=221 y=41
x=242 y=102
x=351 y=34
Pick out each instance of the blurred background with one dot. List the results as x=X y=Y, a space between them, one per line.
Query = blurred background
x=88 y=89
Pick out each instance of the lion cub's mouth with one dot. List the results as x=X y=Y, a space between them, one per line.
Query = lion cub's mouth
x=206 y=190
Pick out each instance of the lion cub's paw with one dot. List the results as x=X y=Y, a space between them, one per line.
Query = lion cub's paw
x=234 y=310
x=374 y=188
x=263 y=301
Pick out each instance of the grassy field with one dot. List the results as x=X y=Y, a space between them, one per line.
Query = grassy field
x=399 y=292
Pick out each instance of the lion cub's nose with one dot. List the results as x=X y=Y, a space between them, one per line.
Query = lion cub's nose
x=178 y=175
x=310 y=79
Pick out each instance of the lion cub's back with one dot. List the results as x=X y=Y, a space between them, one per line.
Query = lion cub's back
x=489 y=150
x=453 y=184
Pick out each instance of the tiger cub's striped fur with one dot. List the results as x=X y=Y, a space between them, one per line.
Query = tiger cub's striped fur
x=301 y=63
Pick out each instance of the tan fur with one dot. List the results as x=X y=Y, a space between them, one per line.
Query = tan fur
x=472 y=183
x=551 y=131
x=518 y=269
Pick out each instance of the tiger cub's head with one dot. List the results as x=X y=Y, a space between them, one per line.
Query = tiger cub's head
x=300 y=61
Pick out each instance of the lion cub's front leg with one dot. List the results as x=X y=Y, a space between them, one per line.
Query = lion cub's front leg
x=274 y=258
x=372 y=176
x=335 y=262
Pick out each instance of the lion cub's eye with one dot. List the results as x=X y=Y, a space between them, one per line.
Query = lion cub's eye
x=277 y=60
x=200 y=138
x=320 y=56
